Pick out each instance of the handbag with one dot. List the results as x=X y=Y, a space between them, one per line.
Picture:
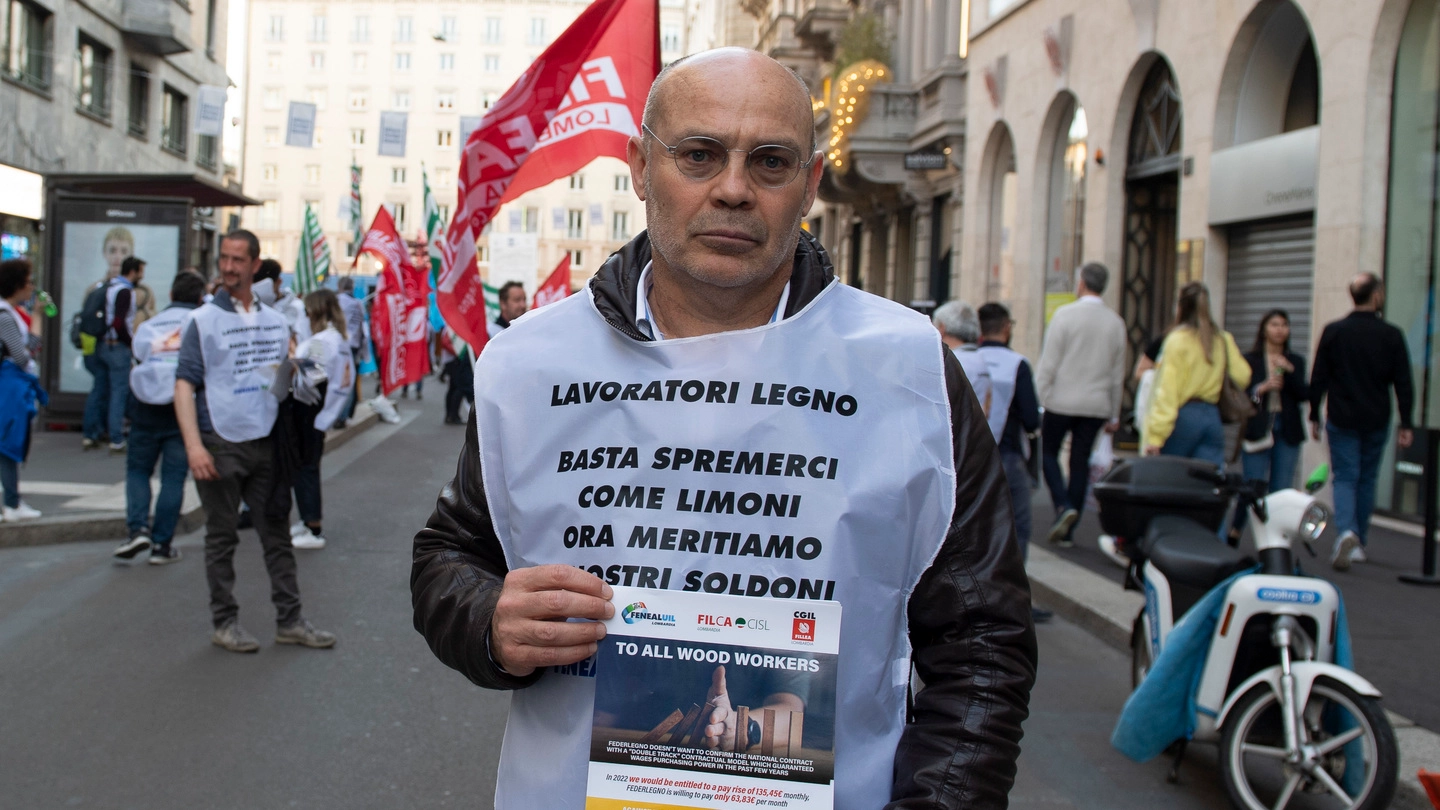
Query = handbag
x=1235 y=404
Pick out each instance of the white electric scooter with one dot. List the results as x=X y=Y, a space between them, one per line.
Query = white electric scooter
x=1288 y=720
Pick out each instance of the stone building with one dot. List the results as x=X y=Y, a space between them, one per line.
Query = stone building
x=1270 y=148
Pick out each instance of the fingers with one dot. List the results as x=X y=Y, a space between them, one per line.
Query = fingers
x=530 y=627
x=717 y=681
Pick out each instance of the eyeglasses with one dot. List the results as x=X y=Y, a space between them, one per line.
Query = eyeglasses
x=700 y=158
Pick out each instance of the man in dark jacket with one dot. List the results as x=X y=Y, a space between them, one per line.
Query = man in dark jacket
x=726 y=177
x=1359 y=359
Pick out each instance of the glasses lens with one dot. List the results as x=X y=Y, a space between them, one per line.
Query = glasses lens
x=699 y=158
x=774 y=166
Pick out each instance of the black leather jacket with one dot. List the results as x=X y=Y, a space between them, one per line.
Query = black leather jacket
x=969 y=616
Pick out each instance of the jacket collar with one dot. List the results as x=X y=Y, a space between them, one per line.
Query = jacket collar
x=616 y=282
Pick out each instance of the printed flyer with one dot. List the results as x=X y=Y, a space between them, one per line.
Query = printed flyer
x=712 y=701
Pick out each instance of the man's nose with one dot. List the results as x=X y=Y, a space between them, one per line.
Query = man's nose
x=733 y=186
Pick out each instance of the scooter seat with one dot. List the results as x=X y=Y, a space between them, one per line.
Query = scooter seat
x=1189 y=554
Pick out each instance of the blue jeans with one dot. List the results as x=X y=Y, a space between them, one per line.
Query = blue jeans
x=1018 y=477
x=116 y=359
x=1198 y=434
x=146 y=447
x=97 y=404
x=1355 y=463
x=1275 y=466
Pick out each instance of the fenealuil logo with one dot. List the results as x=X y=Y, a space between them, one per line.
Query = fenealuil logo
x=637 y=611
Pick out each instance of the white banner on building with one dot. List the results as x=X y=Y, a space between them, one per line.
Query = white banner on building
x=210 y=110
x=514 y=220
x=468 y=124
x=300 y=126
x=514 y=257
x=597 y=214
x=557 y=218
x=392 y=134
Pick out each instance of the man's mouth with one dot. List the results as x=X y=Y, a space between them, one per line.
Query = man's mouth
x=727 y=239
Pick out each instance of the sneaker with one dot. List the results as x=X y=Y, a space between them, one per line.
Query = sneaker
x=131 y=547
x=1112 y=551
x=89 y=444
x=117 y=448
x=298 y=528
x=1358 y=555
x=453 y=420
x=307 y=540
x=1040 y=615
x=1345 y=545
x=1060 y=532
x=419 y=394
x=23 y=511
x=164 y=555
x=234 y=638
x=304 y=634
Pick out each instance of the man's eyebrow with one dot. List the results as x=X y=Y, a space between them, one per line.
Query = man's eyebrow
x=787 y=142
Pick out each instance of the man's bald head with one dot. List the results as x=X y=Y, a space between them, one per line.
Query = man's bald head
x=751 y=65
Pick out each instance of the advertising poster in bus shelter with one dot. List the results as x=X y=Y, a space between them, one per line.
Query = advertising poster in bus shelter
x=712 y=701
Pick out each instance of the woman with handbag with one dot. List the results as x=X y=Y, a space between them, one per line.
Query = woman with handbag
x=1274 y=434
x=1201 y=377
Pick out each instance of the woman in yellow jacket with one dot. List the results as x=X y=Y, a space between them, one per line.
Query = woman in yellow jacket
x=1184 y=417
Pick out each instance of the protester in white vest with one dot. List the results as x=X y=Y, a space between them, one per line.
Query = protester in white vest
x=720 y=332
x=1015 y=413
x=960 y=332
x=228 y=359
x=330 y=347
x=154 y=432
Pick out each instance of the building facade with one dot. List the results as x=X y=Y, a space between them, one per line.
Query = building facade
x=1270 y=148
x=444 y=64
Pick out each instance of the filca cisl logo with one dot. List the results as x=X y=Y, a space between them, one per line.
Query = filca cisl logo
x=638 y=612
x=707 y=621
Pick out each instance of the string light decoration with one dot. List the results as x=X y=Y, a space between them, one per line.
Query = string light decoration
x=849 y=103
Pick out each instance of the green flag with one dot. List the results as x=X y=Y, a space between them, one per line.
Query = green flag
x=434 y=227
x=312 y=266
x=492 y=302
x=356 y=226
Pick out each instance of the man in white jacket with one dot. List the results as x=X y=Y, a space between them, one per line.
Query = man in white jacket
x=1081 y=381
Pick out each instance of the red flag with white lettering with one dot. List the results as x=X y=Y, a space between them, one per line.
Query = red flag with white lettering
x=583 y=98
x=401 y=310
x=557 y=286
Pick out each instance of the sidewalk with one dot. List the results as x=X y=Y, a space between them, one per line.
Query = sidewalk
x=82 y=493
x=1389 y=622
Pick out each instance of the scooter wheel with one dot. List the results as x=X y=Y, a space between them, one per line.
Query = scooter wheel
x=1351 y=731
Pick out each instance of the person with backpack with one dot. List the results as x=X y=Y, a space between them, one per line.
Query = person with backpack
x=154 y=431
x=107 y=322
x=329 y=346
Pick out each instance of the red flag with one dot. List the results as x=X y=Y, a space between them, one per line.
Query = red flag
x=582 y=99
x=557 y=286
x=401 y=309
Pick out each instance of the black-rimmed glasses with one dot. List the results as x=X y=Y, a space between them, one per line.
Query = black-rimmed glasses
x=701 y=158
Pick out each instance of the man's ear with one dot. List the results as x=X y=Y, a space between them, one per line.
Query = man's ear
x=639 y=162
x=812 y=182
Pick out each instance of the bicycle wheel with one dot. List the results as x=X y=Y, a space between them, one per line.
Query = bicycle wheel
x=1342 y=729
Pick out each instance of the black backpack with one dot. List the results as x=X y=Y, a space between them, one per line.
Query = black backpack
x=90 y=320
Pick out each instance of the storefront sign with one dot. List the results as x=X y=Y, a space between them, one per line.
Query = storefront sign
x=22 y=193
x=922 y=161
x=1270 y=177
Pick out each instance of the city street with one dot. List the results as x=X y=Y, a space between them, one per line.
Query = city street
x=115 y=698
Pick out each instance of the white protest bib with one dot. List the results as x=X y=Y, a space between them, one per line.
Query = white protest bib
x=1004 y=366
x=157 y=348
x=331 y=351
x=807 y=459
x=241 y=351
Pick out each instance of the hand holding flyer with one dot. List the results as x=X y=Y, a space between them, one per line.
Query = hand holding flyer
x=707 y=701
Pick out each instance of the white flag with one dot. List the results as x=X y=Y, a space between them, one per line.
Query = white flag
x=392 y=134
x=209 y=110
x=300 y=127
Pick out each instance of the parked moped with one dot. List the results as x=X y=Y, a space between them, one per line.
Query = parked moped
x=1294 y=727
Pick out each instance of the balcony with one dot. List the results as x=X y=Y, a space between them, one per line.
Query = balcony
x=875 y=146
x=820 y=23
x=160 y=27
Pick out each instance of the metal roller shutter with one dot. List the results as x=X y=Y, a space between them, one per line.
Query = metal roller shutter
x=1271 y=265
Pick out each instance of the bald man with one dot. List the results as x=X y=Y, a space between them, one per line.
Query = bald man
x=715 y=340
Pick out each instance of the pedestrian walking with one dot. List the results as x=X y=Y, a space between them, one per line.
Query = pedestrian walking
x=111 y=391
x=228 y=356
x=458 y=370
x=725 y=285
x=960 y=332
x=19 y=385
x=355 y=336
x=154 y=431
x=1360 y=359
x=1081 y=380
x=512 y=306
x=1015 y=413
x=1184 y=416
x=1272 y=438
x=329 y=347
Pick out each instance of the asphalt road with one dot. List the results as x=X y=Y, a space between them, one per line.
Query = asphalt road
x=111 y=695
